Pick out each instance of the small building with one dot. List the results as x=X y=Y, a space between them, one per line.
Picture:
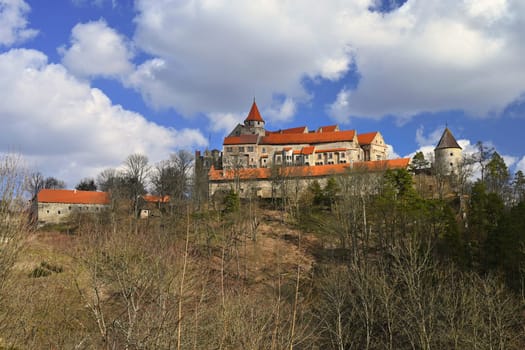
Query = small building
x=56 y=206
x=151 y=205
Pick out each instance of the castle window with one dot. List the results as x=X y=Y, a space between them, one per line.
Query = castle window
x=229 y=149
x=58 y=212
x=342 y=155
x=330 y=155
x=319 y=156
x=451 y=154
x=241 y=148
x=250 y=148
x=264 y=150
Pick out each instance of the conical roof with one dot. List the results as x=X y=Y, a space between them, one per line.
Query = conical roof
x=447 y=140
x=254 y=114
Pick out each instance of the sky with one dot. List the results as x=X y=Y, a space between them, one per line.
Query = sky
x=85 y=83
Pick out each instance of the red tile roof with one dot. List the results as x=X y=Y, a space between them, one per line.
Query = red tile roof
x=156 y=199
x=367 y=138
x=308 y=150
x=307 y=171
x=241 y=140
x=330 y=150
x=254 y=114
x=309 y=138
x=329 y=128
x=72 y=197
x=298 y=130
x=304 y=150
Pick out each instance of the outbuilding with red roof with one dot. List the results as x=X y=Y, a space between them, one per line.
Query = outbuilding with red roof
x=55 y=206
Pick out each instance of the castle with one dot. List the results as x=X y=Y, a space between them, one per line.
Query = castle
x=253 y=157
x=250 y=145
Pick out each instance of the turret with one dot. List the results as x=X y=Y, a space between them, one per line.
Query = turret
x=254 y=122
x=448 y=153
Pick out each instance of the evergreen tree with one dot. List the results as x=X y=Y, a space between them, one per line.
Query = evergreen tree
x=497 y=175
x=419 y=162
x=330 y=192
x=484 y=214
x=86 y=184
x=518 y=186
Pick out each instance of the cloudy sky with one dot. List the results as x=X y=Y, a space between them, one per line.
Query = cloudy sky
x=84 y=83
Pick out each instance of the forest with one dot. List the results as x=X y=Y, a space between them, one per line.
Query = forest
x=401 y=259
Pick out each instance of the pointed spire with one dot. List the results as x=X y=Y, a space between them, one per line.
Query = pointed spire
x=447 y=140
x=254 y=114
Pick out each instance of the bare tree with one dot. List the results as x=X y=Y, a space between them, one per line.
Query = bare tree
x=13 y=225
x=172 y=177
x=34 y=183
x=107 y=179
x=483 y=156
x=54 y=183
x=136 y=170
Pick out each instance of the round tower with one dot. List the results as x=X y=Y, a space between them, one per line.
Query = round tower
x=447 y=154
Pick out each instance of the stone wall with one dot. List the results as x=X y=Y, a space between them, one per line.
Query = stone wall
x=53 y=213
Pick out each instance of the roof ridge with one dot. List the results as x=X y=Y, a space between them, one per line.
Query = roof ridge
x=447 y=140
x=254 y=114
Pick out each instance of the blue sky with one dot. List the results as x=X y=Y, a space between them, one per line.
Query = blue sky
x=87 y=82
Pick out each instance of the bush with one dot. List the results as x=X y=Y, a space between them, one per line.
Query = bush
x=45 y=269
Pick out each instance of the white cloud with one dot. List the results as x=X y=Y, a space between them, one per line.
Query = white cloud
x=431 y=139
x=224 y=122
x=222 y=53
x=68 y=129
x=424 y=56
x=339 y=109
x=487 y=10
x=13 y=22
x=280 y=112
x=391 y=153
x=97 y=50
x=435 y=55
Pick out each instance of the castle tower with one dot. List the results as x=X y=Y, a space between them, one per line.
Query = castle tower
x=254 y=122
x=447 y=153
